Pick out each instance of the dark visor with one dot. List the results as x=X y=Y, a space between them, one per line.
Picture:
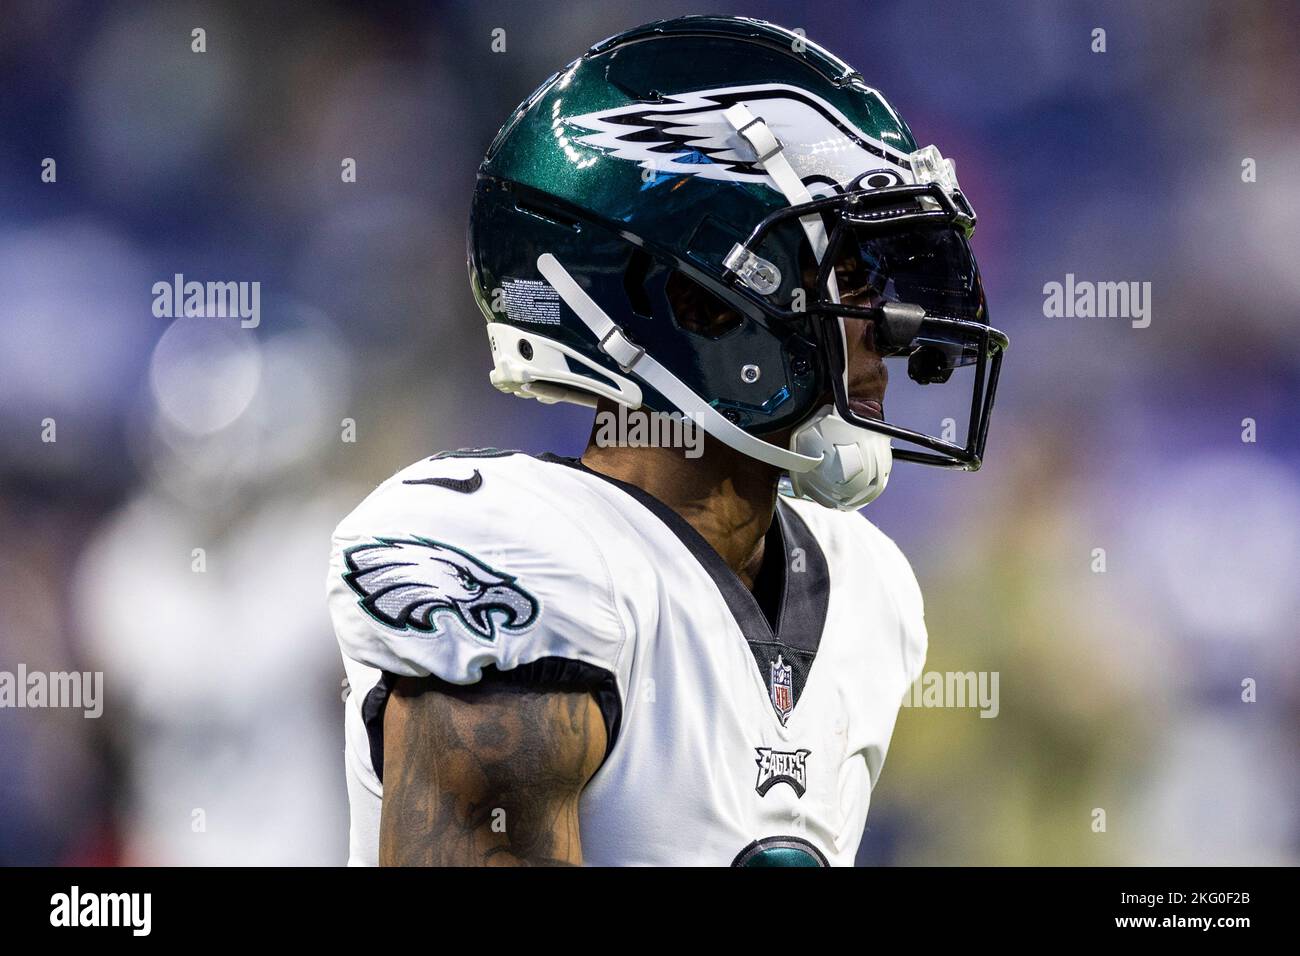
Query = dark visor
x=910 y=271
x=932 y=270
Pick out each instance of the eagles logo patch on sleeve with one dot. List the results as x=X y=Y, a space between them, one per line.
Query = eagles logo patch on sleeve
x=407 y=583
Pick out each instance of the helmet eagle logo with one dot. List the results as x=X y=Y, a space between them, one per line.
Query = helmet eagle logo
x=687 y=134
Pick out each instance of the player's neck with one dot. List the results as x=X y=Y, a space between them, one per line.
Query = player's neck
x=727 y=497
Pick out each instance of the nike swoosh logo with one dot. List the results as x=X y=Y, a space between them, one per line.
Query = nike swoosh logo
x=466 y=486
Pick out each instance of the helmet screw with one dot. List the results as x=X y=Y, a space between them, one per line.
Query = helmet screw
x=526 y=349
x=749 y=374
x=731 y=415
x=799 y=366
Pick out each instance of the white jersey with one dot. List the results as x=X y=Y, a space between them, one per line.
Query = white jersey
x=727 y=743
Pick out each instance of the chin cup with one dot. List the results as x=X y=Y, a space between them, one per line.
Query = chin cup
x=855 y=462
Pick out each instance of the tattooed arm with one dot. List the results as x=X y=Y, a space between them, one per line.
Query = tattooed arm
x=486 y=775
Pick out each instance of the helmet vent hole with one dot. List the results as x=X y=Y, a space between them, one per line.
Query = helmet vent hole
x=699 y=311
x=638 y=267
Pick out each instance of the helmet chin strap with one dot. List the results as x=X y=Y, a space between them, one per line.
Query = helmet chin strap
x=633 y=358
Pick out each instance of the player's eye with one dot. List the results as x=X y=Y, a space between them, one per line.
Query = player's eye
x=857 y=281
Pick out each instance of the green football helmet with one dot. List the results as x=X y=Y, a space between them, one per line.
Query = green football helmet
x=731 y=159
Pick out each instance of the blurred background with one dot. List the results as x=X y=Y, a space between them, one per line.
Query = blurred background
x=221 y=738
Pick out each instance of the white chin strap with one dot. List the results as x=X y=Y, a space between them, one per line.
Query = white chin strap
x=633 y=358
x=830 y=461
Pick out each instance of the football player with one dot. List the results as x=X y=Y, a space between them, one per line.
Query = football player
x=647 y=655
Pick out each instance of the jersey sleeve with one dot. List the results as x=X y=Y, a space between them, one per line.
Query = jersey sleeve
x=426 y=578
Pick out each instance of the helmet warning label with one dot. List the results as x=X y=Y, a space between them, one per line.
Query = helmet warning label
x=530 y=300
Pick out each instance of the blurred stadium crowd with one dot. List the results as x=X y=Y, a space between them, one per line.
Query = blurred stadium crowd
x=221 y=738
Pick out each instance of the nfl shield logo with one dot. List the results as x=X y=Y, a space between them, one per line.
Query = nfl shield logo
x=782 y=688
